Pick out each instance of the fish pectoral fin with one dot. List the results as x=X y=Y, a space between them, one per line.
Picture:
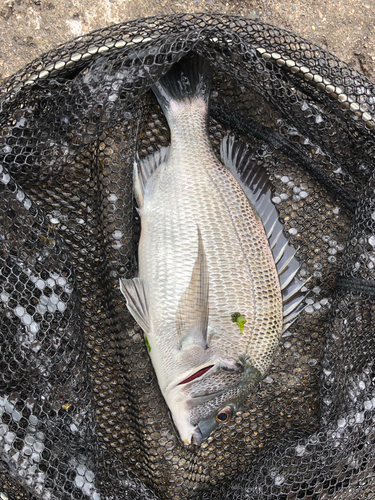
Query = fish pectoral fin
x=192 y=313
x=136 y=295
x=143 y=170
x=212 y=335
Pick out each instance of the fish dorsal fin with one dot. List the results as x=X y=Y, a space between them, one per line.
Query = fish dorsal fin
x=192 y=313
x=143 y=170
x=136 y=295
x=256 y=185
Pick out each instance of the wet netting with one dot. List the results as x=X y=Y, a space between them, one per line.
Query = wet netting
x=81 y=413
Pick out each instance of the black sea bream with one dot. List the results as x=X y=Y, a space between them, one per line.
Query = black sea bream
x=216 y=282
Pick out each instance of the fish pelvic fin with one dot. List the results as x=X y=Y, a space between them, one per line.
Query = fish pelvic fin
x=192 y=313
x=256 y=185
x=190 y=77
x=143 y=170
x=136 y=294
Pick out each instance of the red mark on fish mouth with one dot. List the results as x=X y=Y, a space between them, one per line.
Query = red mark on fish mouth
x=198 y=374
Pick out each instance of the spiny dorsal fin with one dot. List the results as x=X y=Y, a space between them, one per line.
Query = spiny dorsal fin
x=192 y=313
x=143 y=170
x=135 y=293
x=256 y=185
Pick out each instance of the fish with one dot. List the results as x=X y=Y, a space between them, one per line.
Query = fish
x=217 y=279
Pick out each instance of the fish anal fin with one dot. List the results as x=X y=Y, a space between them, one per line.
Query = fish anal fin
x=192 y=313
x=136 y=295
x=143 y=170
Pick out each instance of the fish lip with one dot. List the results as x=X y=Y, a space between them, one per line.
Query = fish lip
x=197 y=436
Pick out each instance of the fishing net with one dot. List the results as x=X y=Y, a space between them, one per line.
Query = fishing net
x=81 y=414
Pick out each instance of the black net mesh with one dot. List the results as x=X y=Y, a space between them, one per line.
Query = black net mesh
x=81 y=414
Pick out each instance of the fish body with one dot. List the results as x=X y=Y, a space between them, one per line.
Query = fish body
x=208 y=296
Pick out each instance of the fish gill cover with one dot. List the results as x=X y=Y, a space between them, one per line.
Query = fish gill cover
x=81 y=413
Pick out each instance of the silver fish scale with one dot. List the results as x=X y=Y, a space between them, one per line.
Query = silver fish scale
x=215 y=382
x=194 y=190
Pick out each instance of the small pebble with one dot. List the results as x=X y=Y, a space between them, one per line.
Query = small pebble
x=54 y=299
x=26 y=319
x=61 y=306
x=20 y=195
x=27 y=204
x=41 y=284
x=341 y=422
x=112 y=198
x=79 y=480
x=19 y=311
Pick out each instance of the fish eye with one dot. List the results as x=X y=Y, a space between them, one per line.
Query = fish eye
x=224 y=415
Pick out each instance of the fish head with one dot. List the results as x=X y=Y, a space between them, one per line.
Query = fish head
x=210 y=397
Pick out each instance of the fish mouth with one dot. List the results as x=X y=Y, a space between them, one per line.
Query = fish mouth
x=196 y=375
x=197 y=436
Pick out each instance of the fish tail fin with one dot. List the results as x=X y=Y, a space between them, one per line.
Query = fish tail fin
x=190 y=77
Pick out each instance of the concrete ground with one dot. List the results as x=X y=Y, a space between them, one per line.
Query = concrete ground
x=30 y=27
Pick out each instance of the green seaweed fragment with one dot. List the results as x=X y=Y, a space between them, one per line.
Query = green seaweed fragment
x=148 y=344
x=239 y=319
